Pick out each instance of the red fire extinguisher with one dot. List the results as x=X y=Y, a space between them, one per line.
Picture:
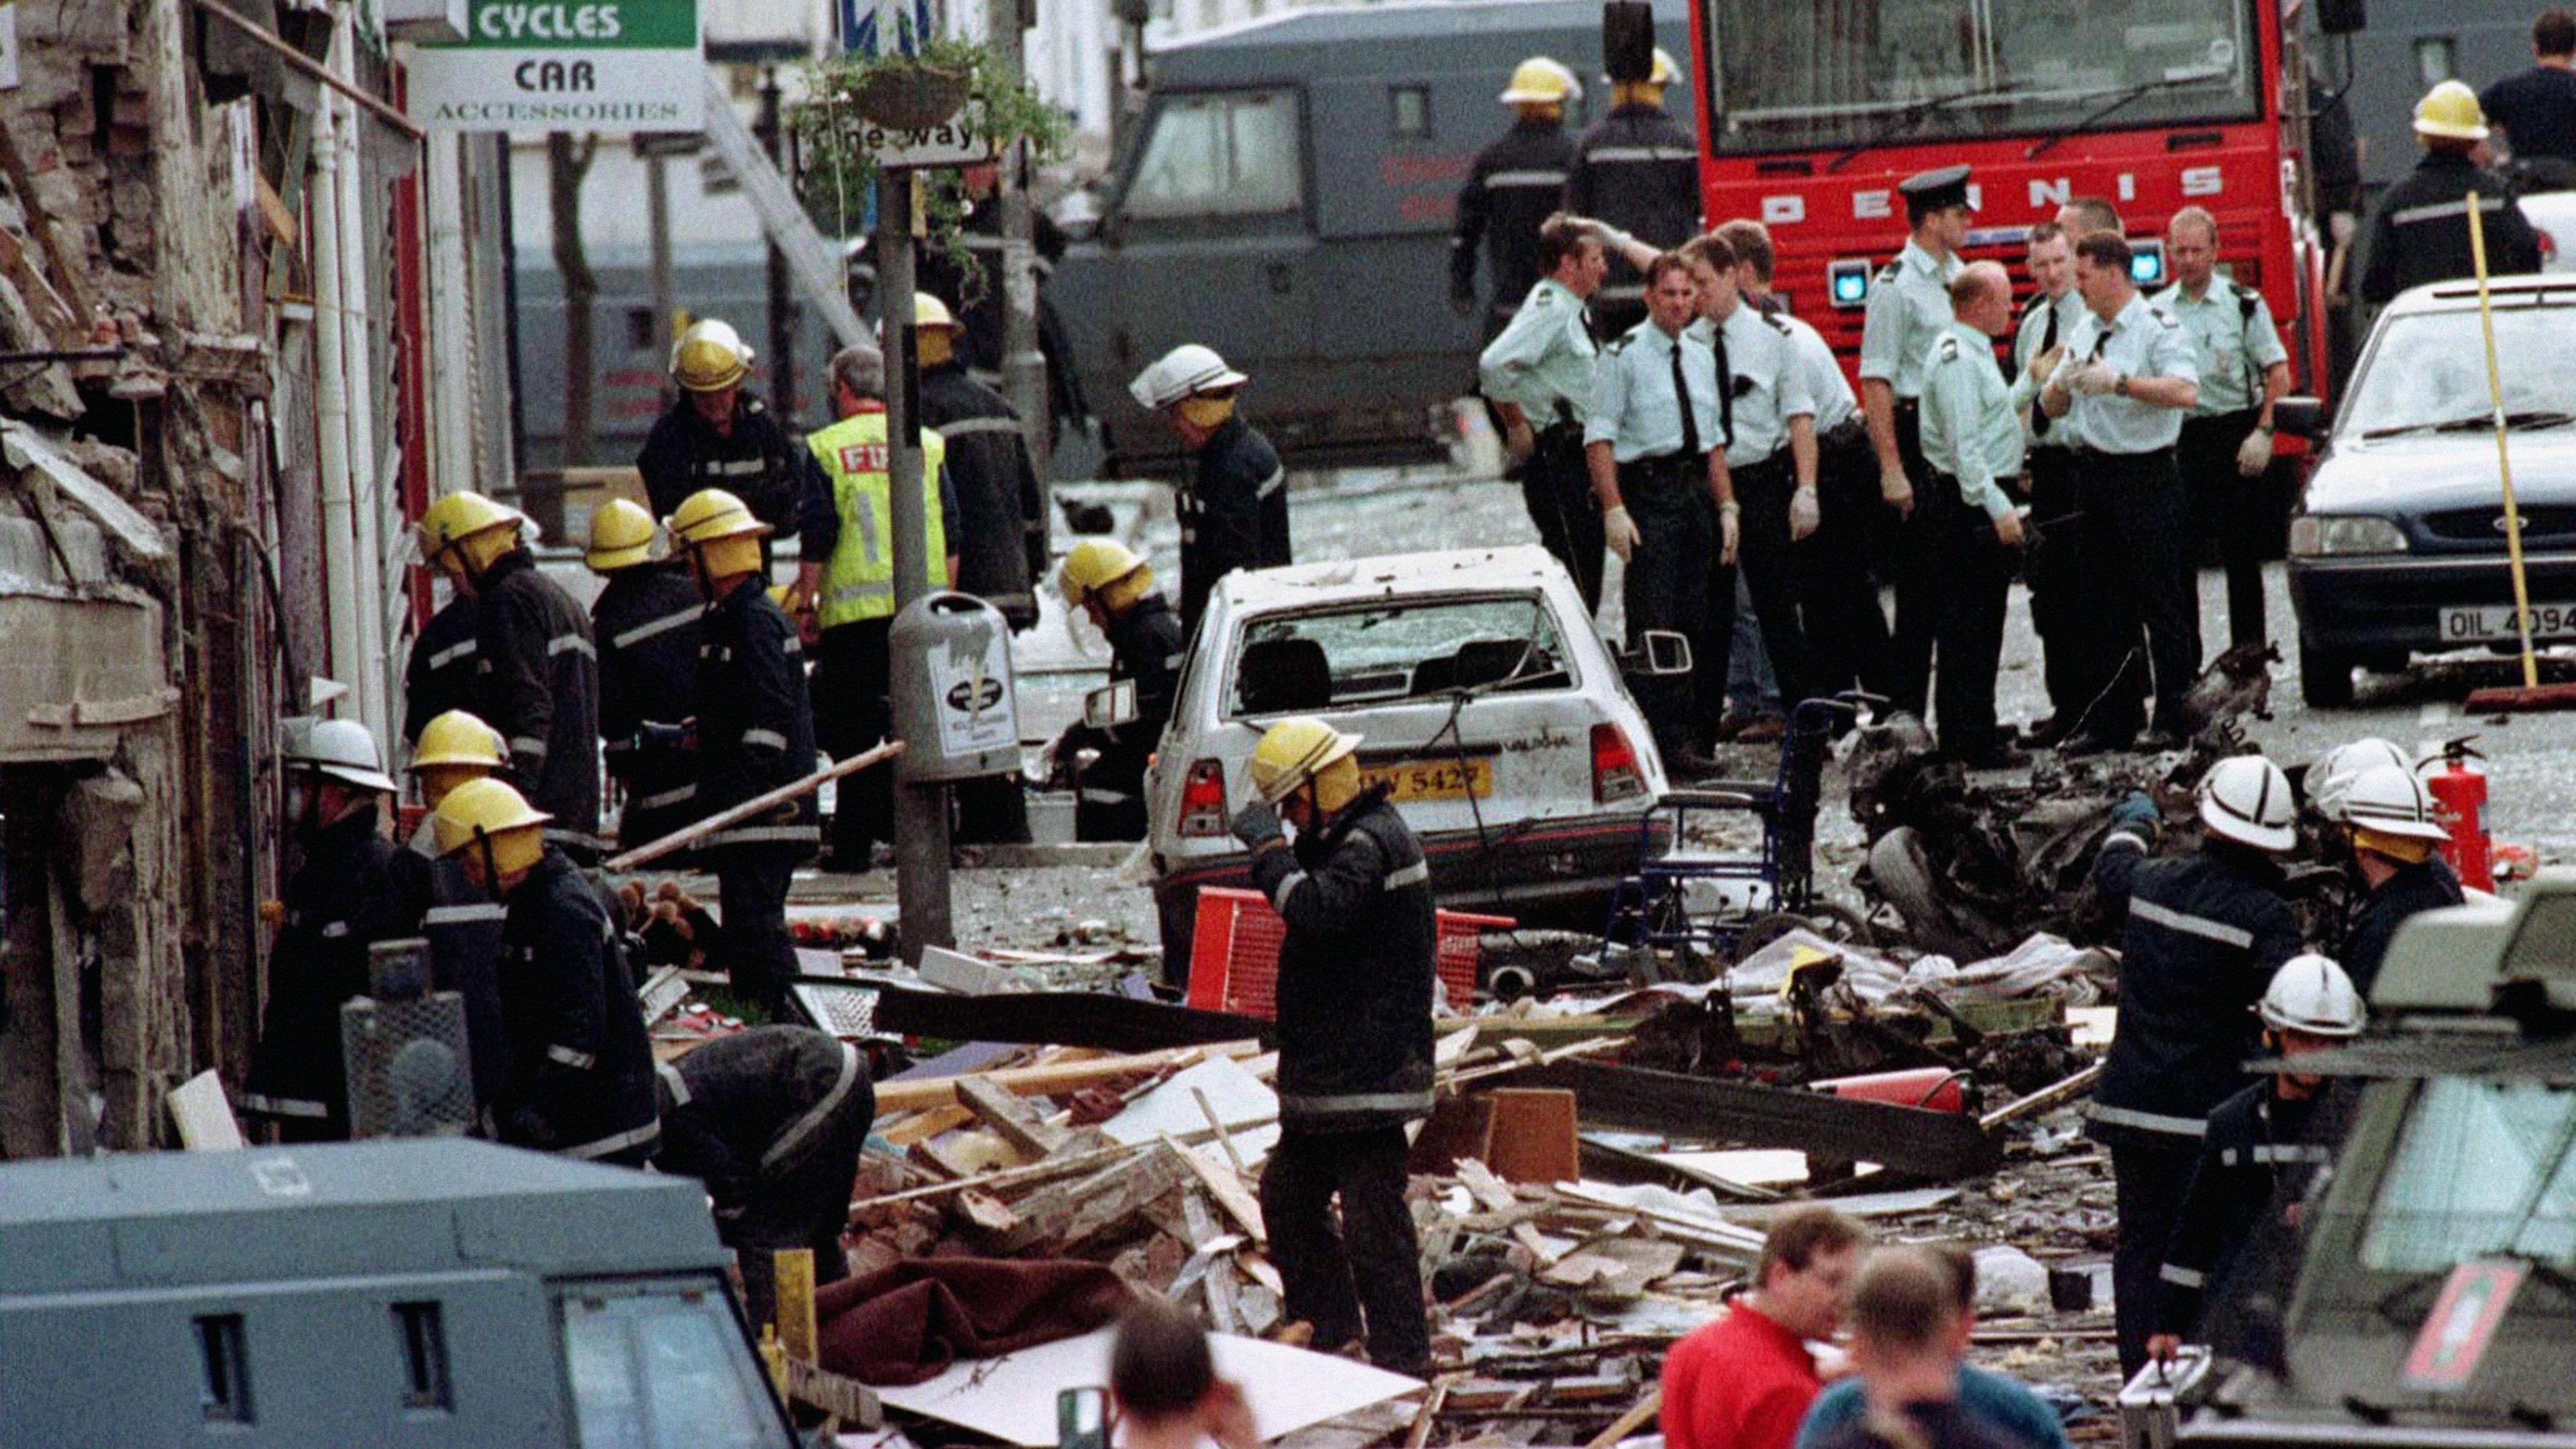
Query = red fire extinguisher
x=2461 y=790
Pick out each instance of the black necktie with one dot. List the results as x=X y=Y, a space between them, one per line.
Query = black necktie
x=2039 y=418
x=1681 y=394
x=1725 y=389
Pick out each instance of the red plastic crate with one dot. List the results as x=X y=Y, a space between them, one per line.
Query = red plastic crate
x=1234 y=953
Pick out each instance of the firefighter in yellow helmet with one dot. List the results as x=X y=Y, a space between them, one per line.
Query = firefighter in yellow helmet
x=1107 y=581
x=579 y=1079
x=1354 y=1014
x=538 y=667
x=754 y=733
x=647 y=621
x=1515 y=185
x=2419 y=232
x=1638 y=171
x=717 y=434
x=462 y=921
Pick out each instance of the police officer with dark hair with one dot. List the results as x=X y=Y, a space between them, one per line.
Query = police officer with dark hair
x=646 y=622
x=1355 y=984
x=2537 y=107
x=1638 y=171
x=1234 y=513
x=755 y=733
x=2053 y=564
x=581 y=1066
x=719 y=435
x=540 y=680
x=771 y=1120
x=1511 y=190
x=1537 y=376
x=2420 y=231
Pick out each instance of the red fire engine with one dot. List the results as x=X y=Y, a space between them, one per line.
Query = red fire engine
x=1810 y=114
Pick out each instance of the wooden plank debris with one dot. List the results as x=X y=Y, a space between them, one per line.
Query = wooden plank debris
x=1908 y=1139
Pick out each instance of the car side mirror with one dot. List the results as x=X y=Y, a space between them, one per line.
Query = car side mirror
x=1662 y=653
x=1110 y=706
x=2300 y=417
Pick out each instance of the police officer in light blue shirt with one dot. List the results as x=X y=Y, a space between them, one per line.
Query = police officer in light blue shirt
x=1656 y=447
x=2128 y=378
x=1972 y=445
x=1909 y=305
x=2050 y=561
x=1537 y=374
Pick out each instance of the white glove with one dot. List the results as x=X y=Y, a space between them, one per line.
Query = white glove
x=2093 y=379
x=1730 y=532
x=1804 y=515
x=2254 y=455
x=1618 y=531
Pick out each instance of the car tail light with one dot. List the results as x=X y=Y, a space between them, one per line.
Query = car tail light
x=2548 y=250
x=1615 y=774
x=1203 y=801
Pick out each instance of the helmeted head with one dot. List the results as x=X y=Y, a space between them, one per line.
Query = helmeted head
x=710 y=357
x=1306 y=767
x=2392 y=815
x=2311 y=996
x=2246 y=799
x=1542 y=88
x=1192 y=386
x=492 y=830
x=2449 y=117
x=2331 y=777
x=621 y=536
x=455 y=747
x=935 y=329
x=719 y=534
x=1650 y=91
x=465 y=533
x=1104 y=576
x=332 y=768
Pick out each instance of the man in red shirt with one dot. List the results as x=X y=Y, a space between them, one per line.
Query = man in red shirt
x=1744 y=1381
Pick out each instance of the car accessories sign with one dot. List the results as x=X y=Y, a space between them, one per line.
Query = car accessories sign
x=565 y=65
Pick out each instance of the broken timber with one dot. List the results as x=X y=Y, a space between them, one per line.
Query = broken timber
x=1906 y=1139
x=1056 y=1018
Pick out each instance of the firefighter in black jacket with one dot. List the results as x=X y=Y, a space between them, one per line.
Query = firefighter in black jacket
x=755 y=732
x=581 y=1066
x=1354 y=998
x=771 y=1120
x=2263 y=1146
x=646 y=621
x=2205 y=932
x=346 y=896
x=1107 y=581
x=2394 y=835
x=540 y=681
x=1637 y=170
x=462 y=920
x=2420 y=231
x=1234 y=513
x=717 y=435
x=444 y=671
x=1514 y=186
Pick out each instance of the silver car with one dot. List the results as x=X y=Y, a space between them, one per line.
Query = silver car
x=1485 y=702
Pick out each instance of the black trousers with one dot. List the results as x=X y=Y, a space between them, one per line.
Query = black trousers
x=1367 y=1263
x=2053 y=566
x=805 y=1205
x=2228 y=510
x=1976 y=572
x=1666 y=587
x=1914 y=567
x=989 y=810
x=751 y=896
x=1557 y=487
x=1770 y=577
x=853 y=712
x=2137 y=570
x=2148 y=1181
x=1846 y=630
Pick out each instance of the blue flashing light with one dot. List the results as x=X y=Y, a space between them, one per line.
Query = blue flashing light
x=2146 y=262
x=1847 y=283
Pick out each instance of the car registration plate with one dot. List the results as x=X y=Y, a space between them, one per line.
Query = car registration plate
x=2493 y=625
x=1434 y=779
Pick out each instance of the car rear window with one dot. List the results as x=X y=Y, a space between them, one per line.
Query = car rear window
x=1386 y=651
x=2430 y=369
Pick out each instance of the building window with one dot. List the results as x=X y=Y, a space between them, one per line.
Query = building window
x=2437 y=58
x=639 y=329
x=1410 y=111
x=1233 y=154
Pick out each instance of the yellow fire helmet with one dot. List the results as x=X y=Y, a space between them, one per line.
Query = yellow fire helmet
x=1294 y=751
x=459 y=740
x=2450 y=112
x=929 y=311
x=721 y=530
x=1093 y=565
x=621 y=536
x=1666 y=71
x=709 y=357
x=464 y=532
x=1540 y=81
x=492 y=812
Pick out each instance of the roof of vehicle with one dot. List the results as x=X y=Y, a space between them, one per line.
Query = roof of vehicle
x=1406 y=20
x=1440 y=571
x=2462 y=295
x=377 y=1209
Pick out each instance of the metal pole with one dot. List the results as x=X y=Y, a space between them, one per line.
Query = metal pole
x=657 y=205
x=1023 y=365
x=2504 y=463
x=920 y=809
x=782 y=306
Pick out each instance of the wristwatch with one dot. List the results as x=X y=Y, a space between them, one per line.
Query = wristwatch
x=2120 y=384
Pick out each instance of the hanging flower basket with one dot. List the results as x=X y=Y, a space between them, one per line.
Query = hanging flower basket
x=909 y=97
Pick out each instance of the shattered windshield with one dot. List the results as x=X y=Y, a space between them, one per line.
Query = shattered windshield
x=1384 y=652
x=1844 y=72
x=2430 y=369
x=2482 y=1169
